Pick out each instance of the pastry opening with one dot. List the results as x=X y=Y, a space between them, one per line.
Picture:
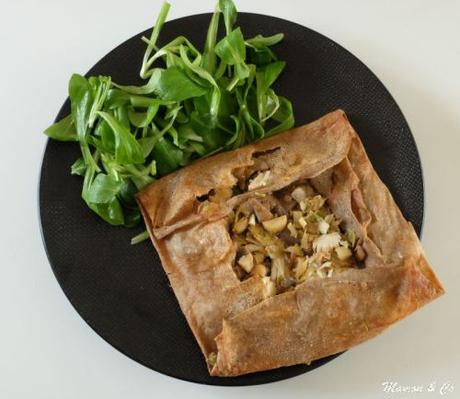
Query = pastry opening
x=259 y=174
x=205 y=197
x=248 y=178
x=216 y=195
x=290 y=236
x=270 y=151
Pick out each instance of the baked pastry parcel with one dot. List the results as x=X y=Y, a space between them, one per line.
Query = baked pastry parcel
x=287 y=250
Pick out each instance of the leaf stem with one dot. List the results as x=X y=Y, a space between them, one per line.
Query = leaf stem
x=140 y=237
x=154 y=37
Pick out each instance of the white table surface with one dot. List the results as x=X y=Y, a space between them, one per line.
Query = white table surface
x=47 y=351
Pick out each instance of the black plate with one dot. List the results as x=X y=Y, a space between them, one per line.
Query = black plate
x=120 y=290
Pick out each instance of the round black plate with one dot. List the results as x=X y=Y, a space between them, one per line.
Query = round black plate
x=120 y=290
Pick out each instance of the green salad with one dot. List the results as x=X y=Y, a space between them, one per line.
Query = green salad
x=193 y=104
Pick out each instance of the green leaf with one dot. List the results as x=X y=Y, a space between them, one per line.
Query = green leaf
x=167 y=156
x=260 y=52
x=229 y=10
x=142 y=181
x=194 y=106
x=127 y=194
x=168 y=51
x=237 y=139
x=81 y=101
x=242 y=71
x=204 y=74
x=202 y=104
x=284 y=115
x=100 y=88
x=174 y=135
x=153 y=38
x=96 y=142
x=232 y=51
x=147 y=144
x=209 y=56
x=186 y=133
x=213 y=137
x=119 y=98
x=255 y=129
x=107 y=136
x=132 y=217
x=121 y=115
x=148 y=88
x=231 y=48
x=173 y=60
x=220 y=70
x=228 y=105
x=145 y=102
x=261 y=57
x=260 y=42
x=116 y=98
x=173 y=84
x=198 y=148
x=265 y=77
x=111 y=212
x=127 y=149
x=103 y=189
x=78 y=167
x=249 y=84
x=182 y=117
x=272 y=104
x=143 y=119
x=63 y=130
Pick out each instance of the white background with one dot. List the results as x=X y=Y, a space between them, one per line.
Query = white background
x=47 y=351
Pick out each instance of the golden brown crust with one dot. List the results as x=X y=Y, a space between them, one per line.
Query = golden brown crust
x=321 y=316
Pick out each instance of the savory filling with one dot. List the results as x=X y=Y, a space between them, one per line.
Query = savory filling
x=290 y=236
